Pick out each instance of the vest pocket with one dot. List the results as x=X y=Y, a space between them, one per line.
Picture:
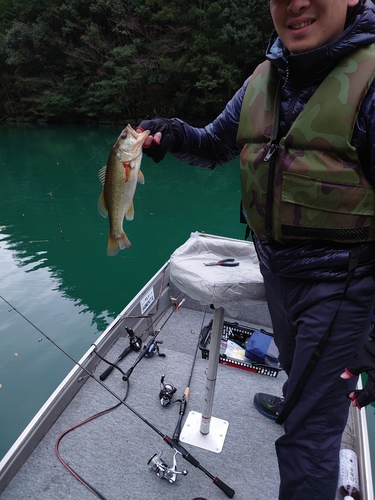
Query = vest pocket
x=323 y=209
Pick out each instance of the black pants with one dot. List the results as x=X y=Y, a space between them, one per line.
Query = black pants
x=301 y=310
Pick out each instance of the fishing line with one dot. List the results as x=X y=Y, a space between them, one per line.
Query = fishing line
x=63 y=182
x=57 y=215
x=173 y=444
x=74 y=473
x=138 y=339
x=58 y=186
x=88 y=161
x=65 y=352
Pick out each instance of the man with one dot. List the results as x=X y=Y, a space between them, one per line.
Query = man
x=307 y=171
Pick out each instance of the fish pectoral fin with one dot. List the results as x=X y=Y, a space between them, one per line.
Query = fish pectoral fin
x=102 y=209
x=101 y=174
x=141 y=179
x=129 y=214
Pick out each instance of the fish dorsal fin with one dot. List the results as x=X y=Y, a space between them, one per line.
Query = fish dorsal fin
x=101 y=174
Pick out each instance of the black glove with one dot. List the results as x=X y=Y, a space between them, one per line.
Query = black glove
x=173 y=136
x=364 y=361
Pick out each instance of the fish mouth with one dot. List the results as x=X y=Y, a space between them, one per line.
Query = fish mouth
x=130 y=141
x=138 y=136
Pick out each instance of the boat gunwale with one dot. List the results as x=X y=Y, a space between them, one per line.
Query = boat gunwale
x=71 y=384
x=47 y=415
x=362 y=449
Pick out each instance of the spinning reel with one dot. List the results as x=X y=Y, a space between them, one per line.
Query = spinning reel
x=157 y=464
x=166 y=392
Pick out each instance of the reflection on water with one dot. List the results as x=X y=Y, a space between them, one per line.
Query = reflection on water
x=53 y=263
x=54 y=268
x=31 y=367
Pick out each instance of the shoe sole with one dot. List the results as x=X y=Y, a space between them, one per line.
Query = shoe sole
x=271 y=417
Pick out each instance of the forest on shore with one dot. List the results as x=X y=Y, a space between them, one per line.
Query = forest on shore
x=84 y=61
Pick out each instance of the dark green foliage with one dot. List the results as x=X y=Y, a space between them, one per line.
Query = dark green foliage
x=115 y=60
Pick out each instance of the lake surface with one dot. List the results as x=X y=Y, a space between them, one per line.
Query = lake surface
x=53 y=264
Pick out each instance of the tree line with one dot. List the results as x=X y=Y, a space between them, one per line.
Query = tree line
x=121 y=60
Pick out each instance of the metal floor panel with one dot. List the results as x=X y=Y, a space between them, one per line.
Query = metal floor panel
x=112 y=451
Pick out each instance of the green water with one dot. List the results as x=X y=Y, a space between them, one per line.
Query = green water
x=53 y=263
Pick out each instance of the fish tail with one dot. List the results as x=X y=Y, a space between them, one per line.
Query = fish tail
x=117 y=244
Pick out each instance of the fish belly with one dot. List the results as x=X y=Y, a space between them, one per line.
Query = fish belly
x=119 y=192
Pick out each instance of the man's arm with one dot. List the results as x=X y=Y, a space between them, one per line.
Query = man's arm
x=208 y=147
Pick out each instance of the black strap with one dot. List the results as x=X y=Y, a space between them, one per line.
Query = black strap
x=292 y=400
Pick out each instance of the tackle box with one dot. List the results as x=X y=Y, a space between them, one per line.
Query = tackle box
x=233 y=342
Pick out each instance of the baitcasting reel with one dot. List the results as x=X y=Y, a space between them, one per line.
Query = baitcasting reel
x=157 y=464
x=154 y=346
x=166 y=392
x=134 y=341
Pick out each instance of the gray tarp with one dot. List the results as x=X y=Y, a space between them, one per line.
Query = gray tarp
x=227 y=287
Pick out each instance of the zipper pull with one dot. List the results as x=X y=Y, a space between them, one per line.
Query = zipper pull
x=274 y=147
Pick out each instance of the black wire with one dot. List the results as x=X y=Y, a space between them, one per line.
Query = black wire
x=108 y=362
x=121 y=401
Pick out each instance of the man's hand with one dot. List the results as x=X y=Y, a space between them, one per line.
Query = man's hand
x=364 y=361
x=151 y=138
x=166 y=135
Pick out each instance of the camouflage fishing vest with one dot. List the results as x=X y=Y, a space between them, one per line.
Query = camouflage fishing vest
x=309 y=184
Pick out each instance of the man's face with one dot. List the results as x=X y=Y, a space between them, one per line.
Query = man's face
x=308 y=24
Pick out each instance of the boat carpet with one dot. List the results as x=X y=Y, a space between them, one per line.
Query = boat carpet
x=112 y=452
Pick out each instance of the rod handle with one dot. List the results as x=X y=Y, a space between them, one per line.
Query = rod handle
x=224 y=487
x=124 y=353
x=105 y=374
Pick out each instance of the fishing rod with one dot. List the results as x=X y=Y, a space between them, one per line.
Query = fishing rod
x=170 y=442
x=185 y=397
x=135 y=341
x=151 y=346
x=135 y=344
x=148 y=351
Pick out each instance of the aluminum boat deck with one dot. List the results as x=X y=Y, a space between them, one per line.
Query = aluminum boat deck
x=112 y=452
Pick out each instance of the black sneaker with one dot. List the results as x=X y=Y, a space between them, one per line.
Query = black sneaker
x=268 y=405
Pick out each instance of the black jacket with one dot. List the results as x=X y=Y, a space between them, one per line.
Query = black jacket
x=215 y=144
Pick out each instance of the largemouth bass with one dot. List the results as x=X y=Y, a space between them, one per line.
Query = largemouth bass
x=119 y=178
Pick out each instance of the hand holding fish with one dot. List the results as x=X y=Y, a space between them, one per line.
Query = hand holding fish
x=165 y=135
x=119 y=178
x=151 y=138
